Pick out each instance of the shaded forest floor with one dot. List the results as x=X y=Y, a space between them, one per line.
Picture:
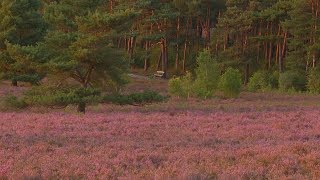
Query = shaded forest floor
x=257 y=136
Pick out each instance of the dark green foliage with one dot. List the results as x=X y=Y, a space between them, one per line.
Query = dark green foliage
x=145 y=97
x=303 y=47
x=78 y=52
x=292 y=80
x=230 y=83
x=62 y=96
x=13 y=103
x=21 y=22
x=21 y=28
x=314 y=81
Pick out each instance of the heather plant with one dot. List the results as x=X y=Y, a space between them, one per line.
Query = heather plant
x=230 y=83
x=292 y=80
x=139 y=145
x=313 y=84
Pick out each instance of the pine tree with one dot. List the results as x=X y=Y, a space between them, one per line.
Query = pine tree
x=21 y=25
x=79 y=48
x=303 y=28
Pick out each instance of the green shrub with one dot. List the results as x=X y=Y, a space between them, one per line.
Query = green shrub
x=274 y=80
x=181 y=86
x=207 y=75
x=230 y=83
x=13 y=102
x=292 y=80
x=263 y=80
x=205 y=83
x=118 y=99
x=313 y=84
x=52 y=96
x=34 y=79
x=176 y=87
x=200 y=90
x=135 y=98
x=259 y=81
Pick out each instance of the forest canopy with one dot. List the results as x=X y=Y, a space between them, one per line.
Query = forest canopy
x=95 y=42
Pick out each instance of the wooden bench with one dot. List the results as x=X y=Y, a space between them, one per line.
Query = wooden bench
x=159 y=74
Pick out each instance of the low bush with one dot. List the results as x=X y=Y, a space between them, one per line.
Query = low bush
x=313 y=83
x=33 y=79
x=292 y=80
x=259 y=81
x=135 y=98
x=181 y=86
x=64 y=96
x=175 y=87
x=13 y=103
x=230 y=83
x=274 y=80
x=200 y=90
x=263 y=80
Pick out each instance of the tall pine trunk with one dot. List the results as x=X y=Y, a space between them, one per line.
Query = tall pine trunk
x=177 y=46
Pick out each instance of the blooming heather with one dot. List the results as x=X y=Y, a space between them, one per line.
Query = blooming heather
x=159 y=145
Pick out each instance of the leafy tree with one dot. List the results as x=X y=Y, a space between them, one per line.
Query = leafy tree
x=207 y=75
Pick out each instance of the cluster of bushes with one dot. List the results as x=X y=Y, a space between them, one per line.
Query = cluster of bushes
x=207 y=80
x=263 y=80
x=50 y=96
x=289 y=81
x=61 y=98
x=13 y=103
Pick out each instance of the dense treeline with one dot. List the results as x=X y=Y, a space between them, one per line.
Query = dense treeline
x=94 y=42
